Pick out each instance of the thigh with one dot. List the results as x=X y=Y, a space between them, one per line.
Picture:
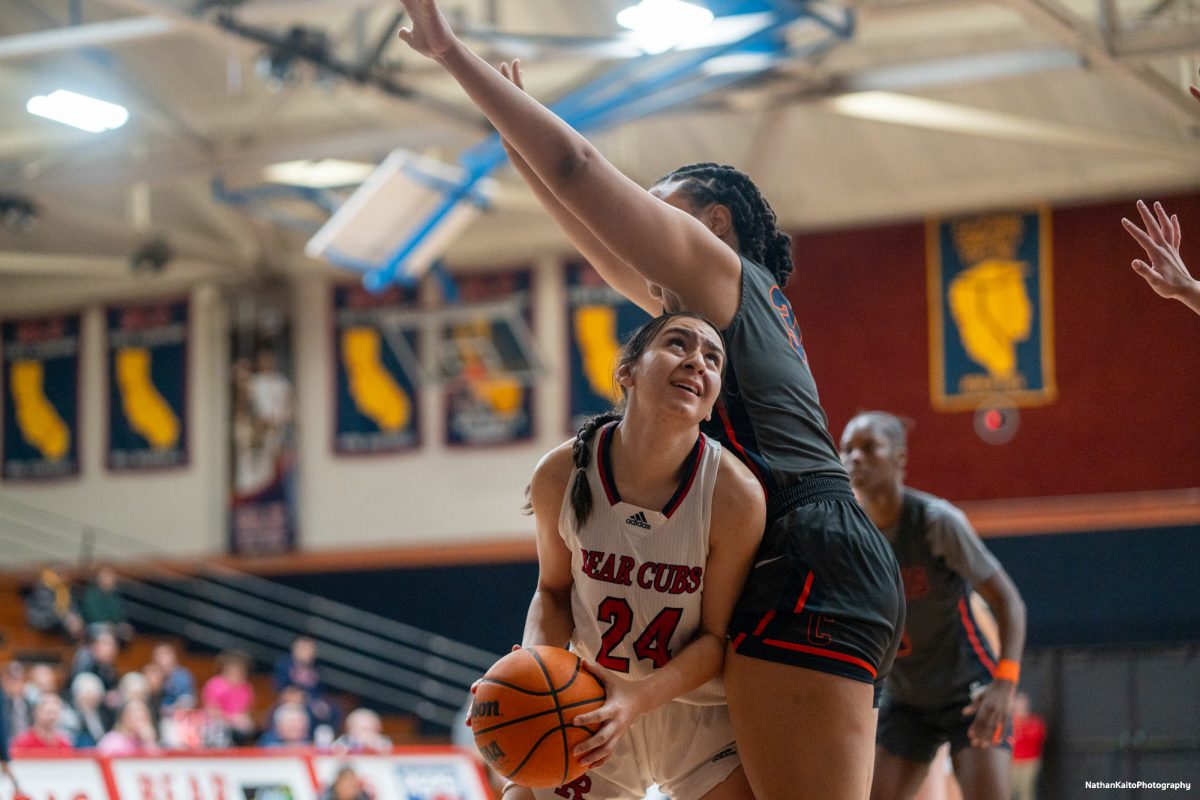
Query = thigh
x=983 y=773
x=695 y=764
x=896 y=777
x=589 y=786
x=802 y=734
x=825 y=595
x=735 y=787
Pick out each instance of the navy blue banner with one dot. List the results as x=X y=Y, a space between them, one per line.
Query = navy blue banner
x=377 y=408
x=990 y=299
x=598 y=321
x=486 y=402
x=147 y=386
x=41 y=397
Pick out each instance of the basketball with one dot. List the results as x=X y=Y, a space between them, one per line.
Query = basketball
x=522 y=712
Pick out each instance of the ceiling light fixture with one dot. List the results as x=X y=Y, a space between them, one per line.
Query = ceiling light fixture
x=78 y=111
x=659 y=25
x=325 y=173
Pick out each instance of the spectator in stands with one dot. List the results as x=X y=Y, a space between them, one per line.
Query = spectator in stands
x=42 y=678
x=229 y=697
x=4 y=758
x=101 y=606
x=134 y=686
x=49 y=606
x=1029 y=736
x=364 y=734
x=346 y=786
x=99 y=657
x=179 y=687
x=44 y=733
x=93 y=719
x=132 y=734
x=289 y=727
x=154 y=683
x=298 y=669
x=16 y=709
x=195 y=729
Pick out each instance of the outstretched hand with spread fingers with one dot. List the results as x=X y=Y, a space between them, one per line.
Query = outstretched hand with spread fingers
x=430 y=33
x=1165 y=272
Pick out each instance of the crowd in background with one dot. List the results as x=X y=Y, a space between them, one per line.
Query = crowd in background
x=90 y=704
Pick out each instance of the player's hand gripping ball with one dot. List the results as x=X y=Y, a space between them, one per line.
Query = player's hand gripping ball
x=523 y=711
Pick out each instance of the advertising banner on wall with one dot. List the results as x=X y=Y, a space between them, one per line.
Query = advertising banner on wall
x=410 y=773
x=252 y=777
x=417 y=776
x=598 y=320
x=262 y=501
x=147 y=385
x=487 y=401
x=376 y=350
x=991 y=311
x=41 y=397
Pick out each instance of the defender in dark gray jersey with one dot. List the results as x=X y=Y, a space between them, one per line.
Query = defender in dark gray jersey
x=947 y=684
x=825 y=595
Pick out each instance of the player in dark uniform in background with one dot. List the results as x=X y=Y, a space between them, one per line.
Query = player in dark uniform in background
x=820 y=617
x=947 y=684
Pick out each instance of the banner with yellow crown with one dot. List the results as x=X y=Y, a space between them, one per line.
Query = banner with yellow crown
x=147 y=385
x=41 y=397
x=990 y=310
x=377 y=408
x=598 y=321
x=487 y=402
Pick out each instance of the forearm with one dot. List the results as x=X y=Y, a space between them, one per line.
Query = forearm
x=1191 y=296
x=695 y=665
x=550 y=147
x=549 y=621
x=1010 y=619
x=615 y=272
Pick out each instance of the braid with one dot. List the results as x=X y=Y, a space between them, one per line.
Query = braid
x=759 y=237
x=581 y=491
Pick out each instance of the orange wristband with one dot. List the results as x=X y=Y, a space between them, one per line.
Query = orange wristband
x=1008 y=670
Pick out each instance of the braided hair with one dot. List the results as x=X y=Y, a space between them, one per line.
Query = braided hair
x=637 y=344
x=759 y=237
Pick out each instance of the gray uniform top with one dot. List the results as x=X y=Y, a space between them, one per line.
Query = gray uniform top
x=768 y=413
x=942 y=654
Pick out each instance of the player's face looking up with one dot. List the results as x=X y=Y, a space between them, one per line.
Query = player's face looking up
x=871 y=458
x=679 y=371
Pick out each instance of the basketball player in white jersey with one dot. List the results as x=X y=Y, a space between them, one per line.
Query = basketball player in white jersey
x=646 y=530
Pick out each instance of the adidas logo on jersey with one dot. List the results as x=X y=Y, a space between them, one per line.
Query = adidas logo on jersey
x=638 y=520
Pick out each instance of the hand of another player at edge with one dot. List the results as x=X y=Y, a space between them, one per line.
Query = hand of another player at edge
x=992 y=708
x=1166 y=272
x=430 y=34
x=622 y=706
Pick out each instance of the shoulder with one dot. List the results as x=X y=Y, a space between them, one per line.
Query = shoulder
x=739 y=505
x=553 y=471
x=736 y=483
x=945 y=515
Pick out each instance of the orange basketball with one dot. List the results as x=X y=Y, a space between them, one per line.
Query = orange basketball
x=522 y=714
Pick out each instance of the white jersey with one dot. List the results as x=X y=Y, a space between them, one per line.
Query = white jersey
x=639 y=573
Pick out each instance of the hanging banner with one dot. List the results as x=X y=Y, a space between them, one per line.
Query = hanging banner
x=598 y=321
x=262 y=501
x=41 y=397
x=376 y=348
x=991 y=311
x=147 y=386
x=487 y=401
